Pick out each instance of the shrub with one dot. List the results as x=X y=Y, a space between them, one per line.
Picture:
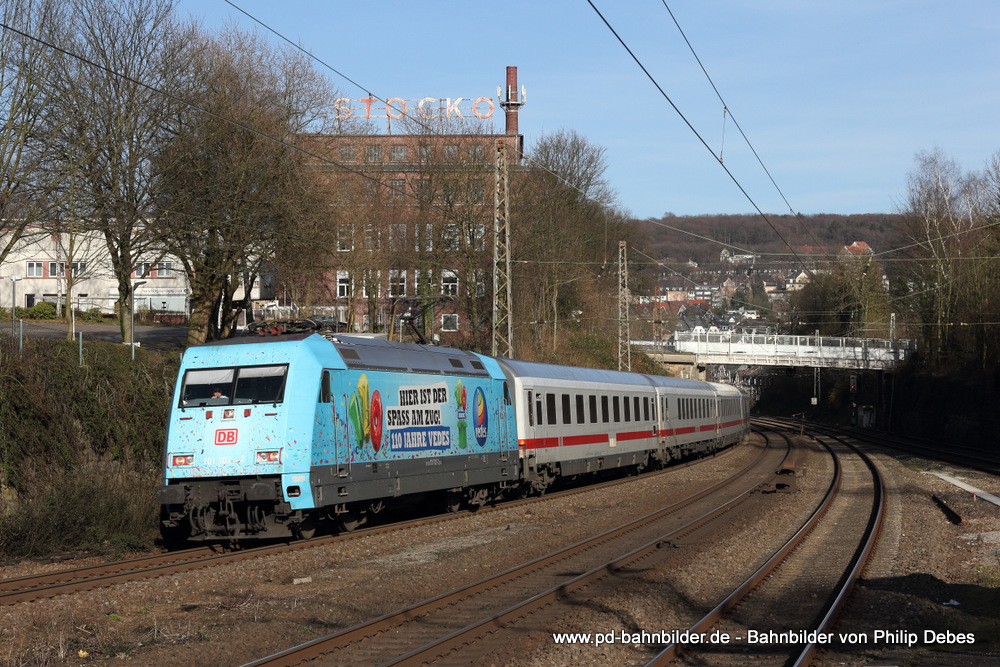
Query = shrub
x=43 y=310
x=80 y=448
x=92 y=315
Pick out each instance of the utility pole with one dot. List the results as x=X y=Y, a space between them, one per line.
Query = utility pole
x=503 y=325
x=624 y=335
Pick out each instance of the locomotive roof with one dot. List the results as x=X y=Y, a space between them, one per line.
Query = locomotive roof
x=381 y=354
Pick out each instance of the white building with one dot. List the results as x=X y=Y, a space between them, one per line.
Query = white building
x=44 y=261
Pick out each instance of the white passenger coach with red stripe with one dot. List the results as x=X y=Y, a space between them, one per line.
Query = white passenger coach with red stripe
x=572 y=421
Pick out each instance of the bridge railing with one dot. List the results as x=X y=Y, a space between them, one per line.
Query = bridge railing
x=775 y=349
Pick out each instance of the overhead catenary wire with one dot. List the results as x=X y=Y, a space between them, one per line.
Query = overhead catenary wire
x=729 y=173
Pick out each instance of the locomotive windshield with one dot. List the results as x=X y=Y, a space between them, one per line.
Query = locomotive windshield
x=234 y=386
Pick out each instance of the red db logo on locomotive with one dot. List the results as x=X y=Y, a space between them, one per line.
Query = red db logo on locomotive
x=226 y=436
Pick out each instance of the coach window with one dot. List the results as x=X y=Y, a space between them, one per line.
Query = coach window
x=550 y=409
x=616 y=407
x=628 y=411
x=538 y=406
x=579 y=409
x=567 y=417
x=593 y=409
x=531 y=410
x=604 y=409
x=645 y=408
x=635 y=408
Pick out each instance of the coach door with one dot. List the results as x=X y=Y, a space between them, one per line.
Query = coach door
x=529 y=423
x=662 y=419
x=503 y=428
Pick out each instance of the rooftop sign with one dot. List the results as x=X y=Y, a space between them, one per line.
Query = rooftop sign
x=428 y=107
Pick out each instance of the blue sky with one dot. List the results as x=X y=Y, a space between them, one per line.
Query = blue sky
x=836 y=97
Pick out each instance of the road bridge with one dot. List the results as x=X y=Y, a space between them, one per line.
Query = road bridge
x=758 y=349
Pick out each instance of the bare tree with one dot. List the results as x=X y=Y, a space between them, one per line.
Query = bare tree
x=26 y=100
x=944 y=208
x=115 y=94
x=565 y=232
x=233 y=183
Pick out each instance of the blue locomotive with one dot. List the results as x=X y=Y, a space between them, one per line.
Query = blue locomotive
x=271 y=436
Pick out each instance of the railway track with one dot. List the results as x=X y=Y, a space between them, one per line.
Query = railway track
x=73 y=580
x=784 y=612
x=455 y=627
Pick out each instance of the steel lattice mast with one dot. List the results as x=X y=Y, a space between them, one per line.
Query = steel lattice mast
x=503 y=325
x=624 y=335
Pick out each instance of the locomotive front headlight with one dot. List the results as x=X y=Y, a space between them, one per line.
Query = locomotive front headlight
x=182 y=459
x=268 y=457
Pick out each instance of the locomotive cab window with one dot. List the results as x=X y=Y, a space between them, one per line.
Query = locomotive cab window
x=233 y=386
x=260 y=384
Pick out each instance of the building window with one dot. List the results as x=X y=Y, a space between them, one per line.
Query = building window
x=34 y=270
x=345 y=238
x=369 y=285
x=451 y=153
x=422 y=188
x=372 y=241
x=449 y=237
x=480 y=276
x=398 y=188
x=476 y=152
x=397 y=283
x=449 y=283
x=399 y=153
x=477 y=237
x=428 y=238
x=425 y=153
x=477 y=191
x=142 y=269
x=449 y=323
x=448 y=190
x=397 y=236
x=373 y=153
x=347 y=153
x=57 y=269
x=343 y=284
x=165 y=270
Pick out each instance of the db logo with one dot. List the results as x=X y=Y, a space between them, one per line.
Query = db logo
x=226 y=436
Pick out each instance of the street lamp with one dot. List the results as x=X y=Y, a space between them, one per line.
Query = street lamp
x=13 y=302
x=131 y=297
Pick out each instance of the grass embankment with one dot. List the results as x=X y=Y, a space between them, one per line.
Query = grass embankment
x=80 y=447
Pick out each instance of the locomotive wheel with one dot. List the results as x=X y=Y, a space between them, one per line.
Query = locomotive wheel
x=348 y=521
x=305 y=529
x=453 y=501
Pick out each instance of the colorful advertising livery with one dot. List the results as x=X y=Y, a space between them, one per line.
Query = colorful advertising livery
x=400 y=418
